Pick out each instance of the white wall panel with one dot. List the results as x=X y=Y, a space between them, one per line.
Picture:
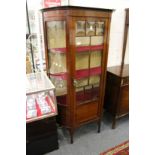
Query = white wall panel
x=110 y=4
x=116 y=37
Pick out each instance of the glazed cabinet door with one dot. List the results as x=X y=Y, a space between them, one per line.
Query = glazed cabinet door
x=89 y=59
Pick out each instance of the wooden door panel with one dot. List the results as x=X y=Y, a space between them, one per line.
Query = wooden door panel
x=86 y=112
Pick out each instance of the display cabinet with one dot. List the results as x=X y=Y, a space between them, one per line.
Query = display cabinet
x=40 y=97
x=41 y=109
x=76 y=47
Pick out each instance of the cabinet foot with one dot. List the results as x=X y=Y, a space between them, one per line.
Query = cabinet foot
x=71 y=131
x=99 y=126
x=114 y=123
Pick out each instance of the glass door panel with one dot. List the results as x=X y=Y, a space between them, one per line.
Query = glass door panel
x=97 y=40
x=88 y=57
x=84 y=95
x=95 y=82
x=82 y=60
x=99 y=28
x=90 y=28
x=80 y=28
x=87 y=94
x=81 y=82
x=95 y=59
x=56 y=37
x=94 y=79
x=82 y=41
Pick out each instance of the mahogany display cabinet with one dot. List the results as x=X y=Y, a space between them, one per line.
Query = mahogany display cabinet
x=76 y=47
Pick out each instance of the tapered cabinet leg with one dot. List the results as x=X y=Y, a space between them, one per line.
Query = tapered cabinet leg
x=114 y=123
x=71 y=131
x=99 y=126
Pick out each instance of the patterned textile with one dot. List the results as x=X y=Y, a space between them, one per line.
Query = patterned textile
x=122 y=149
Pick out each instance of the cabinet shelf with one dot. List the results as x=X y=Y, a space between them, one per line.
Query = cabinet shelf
x=88 y=72
x=88 y=35
x=57 y=50
x=62 y=76
x=89 y=48
x=79 y=73
x=78 y=49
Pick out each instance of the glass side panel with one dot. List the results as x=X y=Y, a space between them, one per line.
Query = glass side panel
x=40 y=105
x=80 y=28
x=90 y=28
x=56 y=34
x=95 y=59
x=56 y=37
x=99 y=28
x=61 y=85
x=57 y=62
x=38 y=82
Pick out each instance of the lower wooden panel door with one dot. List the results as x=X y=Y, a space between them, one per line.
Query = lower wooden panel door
x=86 y=112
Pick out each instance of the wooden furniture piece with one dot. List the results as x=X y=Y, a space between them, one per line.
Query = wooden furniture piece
x=41 y=136
x=41 y=109
x=117 y=87
x=76 y=47
x=117 y=92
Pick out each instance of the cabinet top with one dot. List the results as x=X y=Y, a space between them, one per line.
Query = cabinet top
x=116 y=70
x=75 y=7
